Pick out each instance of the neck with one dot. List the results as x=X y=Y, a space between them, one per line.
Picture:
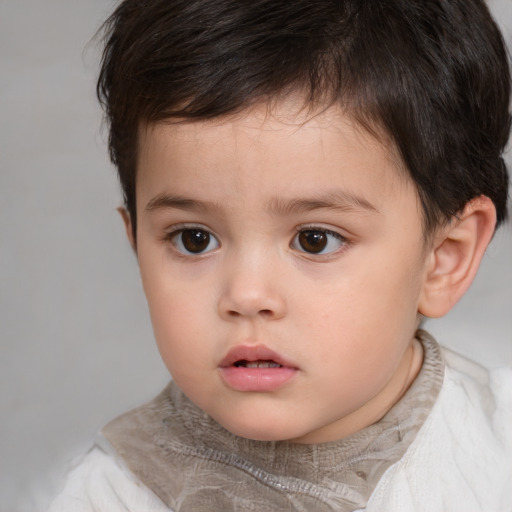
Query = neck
x=377 y=407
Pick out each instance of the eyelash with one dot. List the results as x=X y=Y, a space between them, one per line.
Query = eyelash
x=179 y=229
x=343 y=242
x=296 y=244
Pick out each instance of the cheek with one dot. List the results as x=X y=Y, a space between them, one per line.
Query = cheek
x=179 y=314
x=369 y=309
x=180 y=338
x=174 y=314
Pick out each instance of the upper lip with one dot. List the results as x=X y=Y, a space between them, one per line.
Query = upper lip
x=252 y=353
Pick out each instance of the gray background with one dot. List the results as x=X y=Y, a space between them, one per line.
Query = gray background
x=76 y=344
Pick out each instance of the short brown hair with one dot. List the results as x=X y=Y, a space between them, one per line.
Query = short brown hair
x=433 y=74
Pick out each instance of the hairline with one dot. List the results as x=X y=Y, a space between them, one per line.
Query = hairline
x=373 y=128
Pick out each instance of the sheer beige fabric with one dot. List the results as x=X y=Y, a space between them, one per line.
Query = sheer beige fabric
x=194 y=464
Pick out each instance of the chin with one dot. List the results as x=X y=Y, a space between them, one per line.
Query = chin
x=260 y=431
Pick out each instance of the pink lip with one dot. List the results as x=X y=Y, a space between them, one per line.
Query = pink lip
x=260 y=379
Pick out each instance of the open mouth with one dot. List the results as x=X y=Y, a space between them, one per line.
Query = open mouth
x=254 y=356
x=256 y=368
x=243 y=363
x=260 y=375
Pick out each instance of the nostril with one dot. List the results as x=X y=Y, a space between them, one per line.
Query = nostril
x=262 y=312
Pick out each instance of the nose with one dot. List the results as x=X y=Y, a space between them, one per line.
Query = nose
x=251 y=289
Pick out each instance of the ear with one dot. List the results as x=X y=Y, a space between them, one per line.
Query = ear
x=455 y=256
x=128 y=226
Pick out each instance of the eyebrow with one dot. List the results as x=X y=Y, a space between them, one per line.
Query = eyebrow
x=335 y=200
x=164 y=201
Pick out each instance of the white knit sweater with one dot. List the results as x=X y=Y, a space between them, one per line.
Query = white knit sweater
x=460 y=460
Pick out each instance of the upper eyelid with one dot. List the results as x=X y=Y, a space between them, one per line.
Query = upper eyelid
x=316 y=227
x=344 y=242
x=175 y=229
x=183 y=226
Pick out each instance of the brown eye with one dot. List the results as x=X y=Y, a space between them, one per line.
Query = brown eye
x=194 y=241
x=317 y=241
x=313 y=241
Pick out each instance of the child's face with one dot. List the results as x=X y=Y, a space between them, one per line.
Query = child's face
x=278 y=239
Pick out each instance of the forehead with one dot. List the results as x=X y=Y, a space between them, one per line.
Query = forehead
x=269 y=152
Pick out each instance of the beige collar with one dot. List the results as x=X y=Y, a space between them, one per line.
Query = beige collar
x=194 y=464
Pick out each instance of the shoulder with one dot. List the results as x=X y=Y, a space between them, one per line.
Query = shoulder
x=462 y=456
x=485 y=396
x=100 y=483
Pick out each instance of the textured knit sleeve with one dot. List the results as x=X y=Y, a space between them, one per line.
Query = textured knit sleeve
x=461 y=459
x=100 y=484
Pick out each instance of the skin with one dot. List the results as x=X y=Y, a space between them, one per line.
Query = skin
x=344 y=318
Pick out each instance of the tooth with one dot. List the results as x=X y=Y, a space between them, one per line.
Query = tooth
x=262 y=364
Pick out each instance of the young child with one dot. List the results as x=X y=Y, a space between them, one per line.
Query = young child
x=304 y=182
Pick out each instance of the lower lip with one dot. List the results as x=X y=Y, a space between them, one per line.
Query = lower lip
x=256 y=379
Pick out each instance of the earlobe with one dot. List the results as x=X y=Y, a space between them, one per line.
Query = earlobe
x=127 y=226
x=455 y=257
